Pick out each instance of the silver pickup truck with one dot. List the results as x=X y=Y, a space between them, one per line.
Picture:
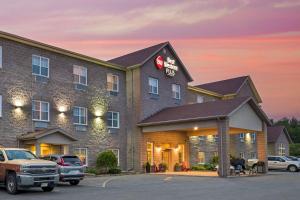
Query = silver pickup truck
x=20 y=169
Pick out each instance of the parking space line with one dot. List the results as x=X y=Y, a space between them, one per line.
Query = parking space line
x=168 y=178
x=107 y=181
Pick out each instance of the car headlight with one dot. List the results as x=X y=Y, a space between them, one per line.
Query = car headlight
x=24 y=169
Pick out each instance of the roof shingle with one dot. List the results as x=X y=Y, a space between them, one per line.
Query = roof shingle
x=228 y=86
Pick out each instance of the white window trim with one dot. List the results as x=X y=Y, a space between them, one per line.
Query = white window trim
x=1 y=57
x=40 y=102
x=86 y=78
x=253 y=137
x=86 y=116
x=86 y=154
x=242 y=139
x=151 y=92
x=40 y=57
x=281 y=149
x=200 y=97
x=118 y=157
x=0 y=105
x=174 y=92
x=112 y=112
x=113 y=75
x=152 y=151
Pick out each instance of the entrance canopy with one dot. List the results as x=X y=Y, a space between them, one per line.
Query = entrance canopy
x=242 y=113
x=49 y=136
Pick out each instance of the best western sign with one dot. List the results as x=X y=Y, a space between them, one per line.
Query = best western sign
x=168 y=64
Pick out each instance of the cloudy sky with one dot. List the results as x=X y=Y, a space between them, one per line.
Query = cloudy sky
x=216 y=39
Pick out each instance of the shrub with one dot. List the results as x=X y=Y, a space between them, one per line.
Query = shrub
x=214 y=160
x=106 y=161
x=206 y=166
x=114 y=171
x=295 y=149
x=163 y=167
x=91 y=170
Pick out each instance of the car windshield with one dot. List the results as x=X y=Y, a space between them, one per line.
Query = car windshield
x=19 y=155
x=292 y=158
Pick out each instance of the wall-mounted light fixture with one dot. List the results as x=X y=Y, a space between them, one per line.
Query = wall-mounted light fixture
x=196 y=128
x=158 y=148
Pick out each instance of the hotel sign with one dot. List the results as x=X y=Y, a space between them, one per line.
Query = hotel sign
x=169 y=65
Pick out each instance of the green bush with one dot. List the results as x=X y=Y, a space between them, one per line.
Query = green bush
x=106 y=161
x=295 y=149
x=91 y=170
x=114 y=171
x=201 y=167
x=214 y=160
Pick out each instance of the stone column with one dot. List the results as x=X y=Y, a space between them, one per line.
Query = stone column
x=223 y=147
x=37 y=149
x=262 y=146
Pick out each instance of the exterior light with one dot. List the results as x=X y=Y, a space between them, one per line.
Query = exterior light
x=195 y=128
x=62 y=109
x=158 y=149
x=98 y=113
x=18 y=103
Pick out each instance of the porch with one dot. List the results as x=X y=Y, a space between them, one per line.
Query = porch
x=166 y=135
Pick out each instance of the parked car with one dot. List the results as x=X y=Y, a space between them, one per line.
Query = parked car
x=19 y=169
x=282 y=162
x=70 y=168
x=293 y=158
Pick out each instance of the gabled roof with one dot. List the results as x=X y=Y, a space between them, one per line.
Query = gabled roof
x=44 y=132
x=140 y=57
x=275 y=131
x=58 y=50
x=202 y=111
x=230 y=86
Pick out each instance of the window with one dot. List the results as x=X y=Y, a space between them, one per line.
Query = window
x=242 y=137
x=112 y=83
x=80 y=75
x=117 y=154
x=40 y=111
x=252 y=155
x=242 y=155
x=281 y=149
x=215 y=154
x=150 y=152
x=2 y=158
x=153 y=85
x=0 y=105
x=176 y=91
x=253 y=137
x=200 y=99
x=40 y=66
x=82 y=154
x=215 y=138
x=113 y=119
x=80 y=115
x=180 y=153
x=201 y=157
x=0 y=57
x=202 y=138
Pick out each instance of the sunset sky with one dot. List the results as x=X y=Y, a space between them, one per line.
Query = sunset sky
x=216 y=39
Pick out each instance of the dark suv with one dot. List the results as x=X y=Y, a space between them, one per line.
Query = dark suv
x=70 y=168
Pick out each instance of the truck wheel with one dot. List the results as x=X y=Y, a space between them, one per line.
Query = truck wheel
x=11 y=183
x=292 y=168
x=48 y=189
x=74 y=182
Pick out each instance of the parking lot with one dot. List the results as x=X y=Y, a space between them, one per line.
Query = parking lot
x=275 y=185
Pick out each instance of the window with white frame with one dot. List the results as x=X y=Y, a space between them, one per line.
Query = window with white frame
x=112 y=83
x=200 y=99
x=201 y=157
x=242 y=137
x=242 y=155
x=253 y=155
x=113 y=119
x=40 y=111
x=150 y=152
x=202 y=138
x=253 y=137
x=0 y=105
x=117 y=154
x=281 y=149
x=176 y=91
x=82 y=154
x=80 y=115
x=40 y=66
x=80 y=75
x=153 y=85
x=0 y=56
x=215 y=138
